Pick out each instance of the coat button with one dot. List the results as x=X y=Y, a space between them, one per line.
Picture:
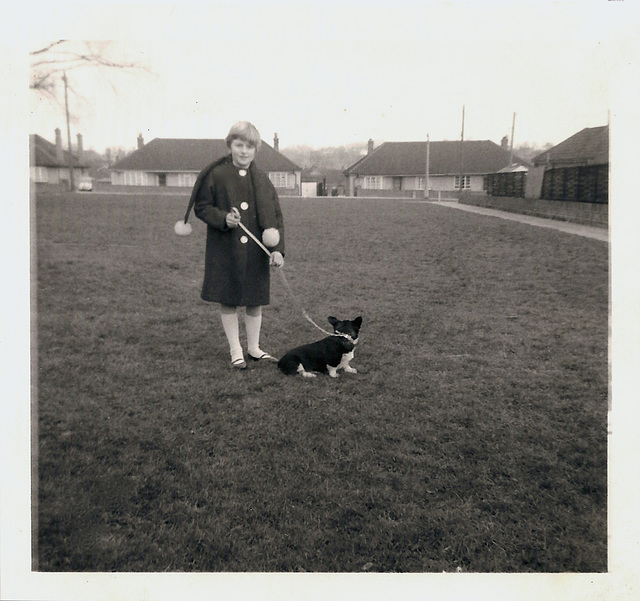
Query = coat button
x=244 y=206
x=244 y=239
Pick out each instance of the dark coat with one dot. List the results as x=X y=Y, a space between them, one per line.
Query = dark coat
x=236 y=271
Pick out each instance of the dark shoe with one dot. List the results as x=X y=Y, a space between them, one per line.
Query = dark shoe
x=263 y=357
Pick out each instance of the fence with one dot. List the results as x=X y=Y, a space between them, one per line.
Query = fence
x=506 y=184
x=580 y=184
x=589 y=183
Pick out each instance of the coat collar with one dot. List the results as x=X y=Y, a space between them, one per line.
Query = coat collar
x=262 y=187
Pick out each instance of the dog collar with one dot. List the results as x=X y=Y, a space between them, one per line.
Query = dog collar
x=343 y=335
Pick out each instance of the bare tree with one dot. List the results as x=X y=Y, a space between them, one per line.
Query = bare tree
x=51 y=64
x=48 y=64
x=529 y=151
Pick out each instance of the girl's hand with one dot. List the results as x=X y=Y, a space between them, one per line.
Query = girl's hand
x=276 y=259
x=233 y=218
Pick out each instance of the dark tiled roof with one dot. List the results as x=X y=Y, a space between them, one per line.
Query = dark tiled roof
x=410 y=158
x=178 y=154
x=43 y=154
x=588 y=147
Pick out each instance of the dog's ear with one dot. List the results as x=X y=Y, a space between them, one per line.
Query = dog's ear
x=357 y=322
x=333 y=321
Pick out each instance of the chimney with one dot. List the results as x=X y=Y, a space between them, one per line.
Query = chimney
x=505 y=143
x=80 y=150
x=276 y=142
x=59 y=154
x=370 y=146
x=140 y=141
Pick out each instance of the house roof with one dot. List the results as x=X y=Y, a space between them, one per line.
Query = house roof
x=180 y=154
x=410 y=158
x=514 y=168
x=43 y=154
x=588 y=147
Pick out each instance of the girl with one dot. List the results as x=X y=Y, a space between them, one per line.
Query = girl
x=236 y=273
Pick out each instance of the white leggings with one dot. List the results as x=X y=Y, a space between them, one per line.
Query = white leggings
x=231 y=326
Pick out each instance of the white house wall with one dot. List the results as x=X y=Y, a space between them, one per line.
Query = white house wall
x=386 y=183
x=134 y=178
x=284 y=179
x=447 y=183
x=412 y=183
x=441 y=183
x=477 y=183
x=43 y=175
x=291 y=181
x=173 y=179
x=181 y=180
x=145 y=178
x=54 y=175
x=309 y=189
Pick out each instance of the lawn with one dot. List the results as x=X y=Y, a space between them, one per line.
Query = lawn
x=473 y=437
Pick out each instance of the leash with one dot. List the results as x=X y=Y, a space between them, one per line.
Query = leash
x=250 y=234
x=297 y=302
x=285 y=282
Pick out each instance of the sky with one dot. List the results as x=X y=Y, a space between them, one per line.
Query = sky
x=333 y=73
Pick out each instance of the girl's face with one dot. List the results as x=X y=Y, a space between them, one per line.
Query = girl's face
x=242 y=153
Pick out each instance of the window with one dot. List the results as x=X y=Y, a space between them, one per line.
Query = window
x=41 y=174
x=372 y=182
x=186 y=180
x=466 y=182
x=134 y=178
x=282 y=179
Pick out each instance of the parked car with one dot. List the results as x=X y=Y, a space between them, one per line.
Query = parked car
x=84 y=184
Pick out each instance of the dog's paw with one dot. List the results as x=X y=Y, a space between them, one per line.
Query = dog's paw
x=308 y=374
x=350 y=370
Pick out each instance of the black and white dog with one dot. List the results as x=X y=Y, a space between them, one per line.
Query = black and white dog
x=327 y=355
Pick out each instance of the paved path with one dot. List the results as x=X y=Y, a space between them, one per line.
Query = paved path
x=597 y=233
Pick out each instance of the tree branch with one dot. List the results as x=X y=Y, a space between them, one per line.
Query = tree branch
x=47 y=48
x=53 y=59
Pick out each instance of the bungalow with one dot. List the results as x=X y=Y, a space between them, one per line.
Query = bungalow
x=399 y=168
x=574 y=170
x=49 y=163
x=176 y=162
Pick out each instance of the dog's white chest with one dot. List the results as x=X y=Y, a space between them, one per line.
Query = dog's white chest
x=344 y=364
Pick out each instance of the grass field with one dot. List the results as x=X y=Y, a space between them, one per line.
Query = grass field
x=473 y=438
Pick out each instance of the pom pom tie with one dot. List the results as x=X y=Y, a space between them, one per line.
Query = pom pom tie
x=182 y=229
x=271 y=237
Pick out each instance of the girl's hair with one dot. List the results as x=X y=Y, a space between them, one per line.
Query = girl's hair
x=246 y=132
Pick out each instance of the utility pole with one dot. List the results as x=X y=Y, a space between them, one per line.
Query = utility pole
x=462 y=154
x=426 y=179
x=513 y=127
x=72 y=183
